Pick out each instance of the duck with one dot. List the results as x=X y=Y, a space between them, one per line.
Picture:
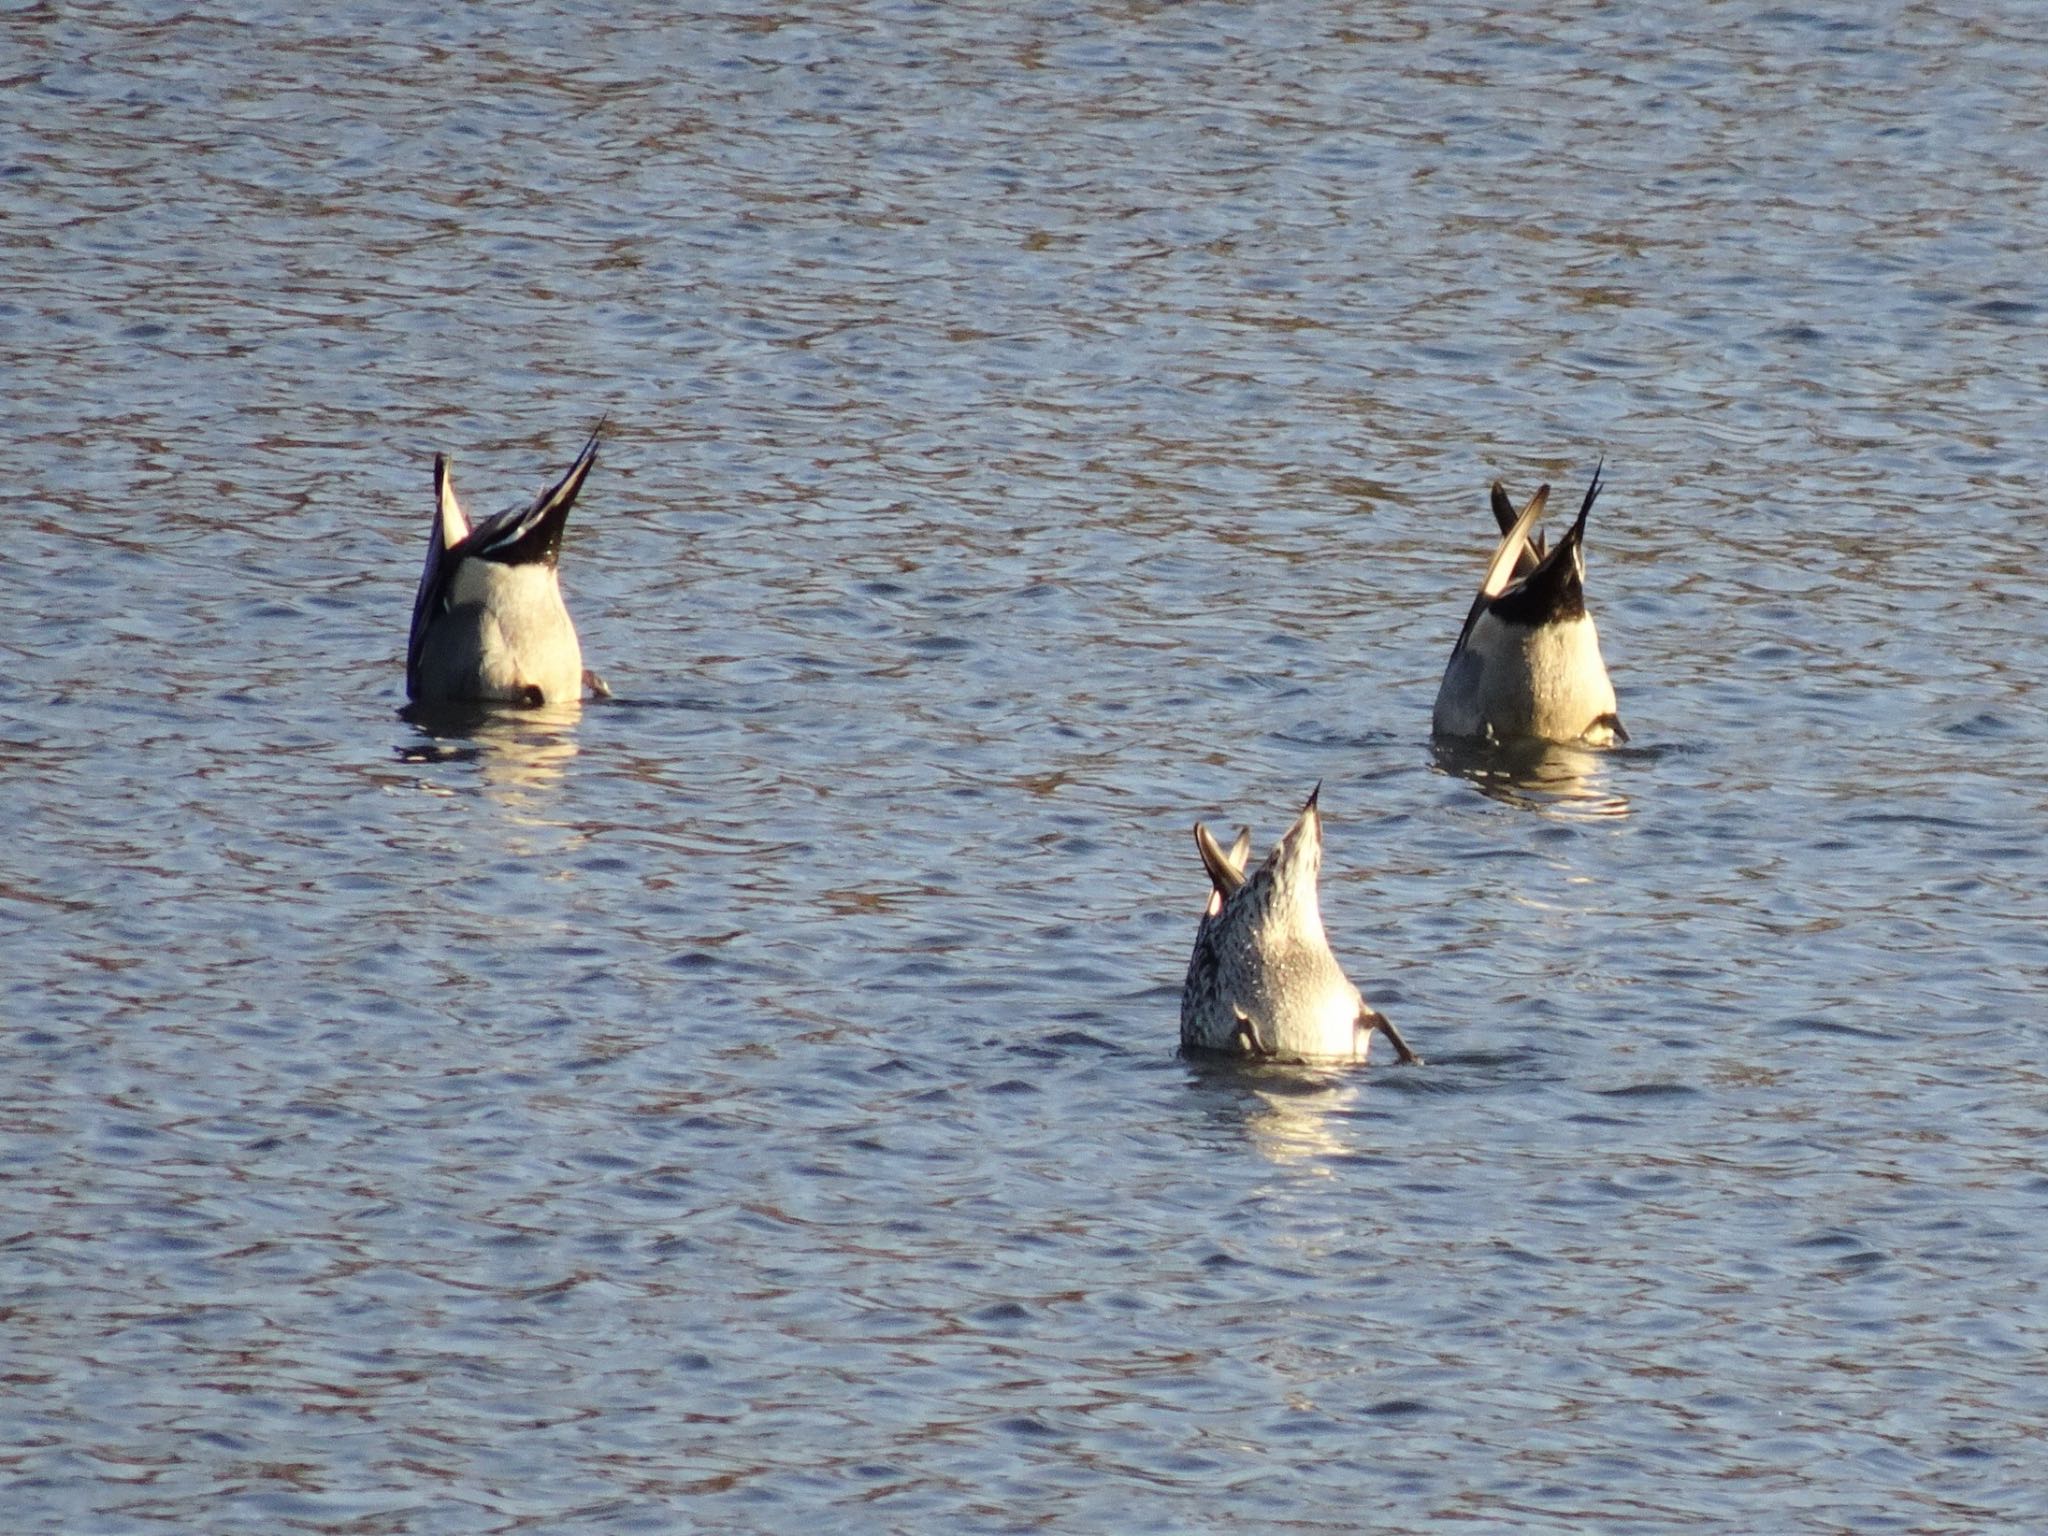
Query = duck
x=1527 y=665
x=489 y=624
x=1262 y=983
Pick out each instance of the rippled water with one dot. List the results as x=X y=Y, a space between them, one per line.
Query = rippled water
x=753 y=1104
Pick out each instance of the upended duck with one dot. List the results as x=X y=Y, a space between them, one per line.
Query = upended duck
x=1527 y=665
x=1262 y=983
x=489 y=624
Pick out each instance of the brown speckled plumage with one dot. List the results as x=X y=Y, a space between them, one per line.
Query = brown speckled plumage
x=1262 y=981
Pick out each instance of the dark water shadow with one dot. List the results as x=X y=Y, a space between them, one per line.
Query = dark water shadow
x=464 y=718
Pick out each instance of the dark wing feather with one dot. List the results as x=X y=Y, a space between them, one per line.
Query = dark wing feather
x=434 y=578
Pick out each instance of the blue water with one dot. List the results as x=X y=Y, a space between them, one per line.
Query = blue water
x=752 y=1104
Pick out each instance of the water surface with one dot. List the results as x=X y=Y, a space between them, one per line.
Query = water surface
x=752 y=1103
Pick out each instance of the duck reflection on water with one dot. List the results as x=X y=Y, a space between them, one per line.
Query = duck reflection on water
x=1560 y=778
x=520 y=754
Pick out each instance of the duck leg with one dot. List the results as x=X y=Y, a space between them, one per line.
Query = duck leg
x=1369 y=1021
x=1247 y=1035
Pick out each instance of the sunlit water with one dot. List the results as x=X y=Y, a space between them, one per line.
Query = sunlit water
x=752 y=1103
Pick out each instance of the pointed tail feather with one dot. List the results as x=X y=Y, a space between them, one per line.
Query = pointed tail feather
x=1575 y=535
x=536 y=534
x=1300 y=849
x=1557 y=585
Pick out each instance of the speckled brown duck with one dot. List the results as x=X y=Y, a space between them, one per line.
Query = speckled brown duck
x=1262 y=983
